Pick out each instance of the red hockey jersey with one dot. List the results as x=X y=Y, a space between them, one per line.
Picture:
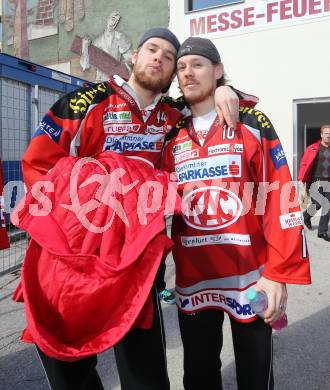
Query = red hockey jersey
x=240 y=218
x=102 y=118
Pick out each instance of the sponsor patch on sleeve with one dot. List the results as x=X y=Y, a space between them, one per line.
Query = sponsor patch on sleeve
x=291 y=220
x=278 y=156
x=49 y=127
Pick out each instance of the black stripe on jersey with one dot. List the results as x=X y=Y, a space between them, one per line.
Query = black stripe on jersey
x=259 y=121
x=178 y=104
x=175 y=130
x=75 y=104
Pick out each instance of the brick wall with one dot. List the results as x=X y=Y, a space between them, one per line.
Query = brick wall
x=45 y=14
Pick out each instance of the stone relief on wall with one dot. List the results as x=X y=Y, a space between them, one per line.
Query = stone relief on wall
x=111 y=42
x=67 y=12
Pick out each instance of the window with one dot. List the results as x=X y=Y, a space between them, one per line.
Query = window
x=195 y=5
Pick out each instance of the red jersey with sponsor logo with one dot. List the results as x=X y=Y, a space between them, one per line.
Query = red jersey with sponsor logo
x=102 y=118
x=240 y=217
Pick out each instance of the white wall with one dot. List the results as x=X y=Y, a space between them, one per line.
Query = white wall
x=278 y=64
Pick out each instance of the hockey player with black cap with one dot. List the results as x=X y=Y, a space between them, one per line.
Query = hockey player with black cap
x=224 y=241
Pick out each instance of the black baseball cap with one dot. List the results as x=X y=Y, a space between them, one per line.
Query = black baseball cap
x=201 y=47
x=160 y=32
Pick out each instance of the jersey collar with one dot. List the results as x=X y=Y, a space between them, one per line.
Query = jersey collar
x=127 y=88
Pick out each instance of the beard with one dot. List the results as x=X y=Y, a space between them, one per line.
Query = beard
x=152 y=83
x=194 y=97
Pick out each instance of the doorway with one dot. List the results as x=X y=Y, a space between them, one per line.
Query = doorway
x=309 y=116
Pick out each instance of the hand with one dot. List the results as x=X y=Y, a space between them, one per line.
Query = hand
x=227 y=105
x=277 y=298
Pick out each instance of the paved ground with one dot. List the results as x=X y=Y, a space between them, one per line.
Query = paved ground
x=301 y=352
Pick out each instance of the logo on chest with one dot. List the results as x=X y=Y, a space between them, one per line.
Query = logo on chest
x=117 y=117
x=134 y=143
x=114 y=128
x=156 y=129
x=211 y=208
x=225 y=148
x=216 y=167
x=182 y=147
x=186 y=156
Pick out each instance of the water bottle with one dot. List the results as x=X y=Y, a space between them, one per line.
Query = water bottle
x=259 y=303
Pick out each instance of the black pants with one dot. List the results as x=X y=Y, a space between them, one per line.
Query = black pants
x=160 y=277
x=202 y=340
x=140 y=357
x=324 y=203
x=79 y=375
